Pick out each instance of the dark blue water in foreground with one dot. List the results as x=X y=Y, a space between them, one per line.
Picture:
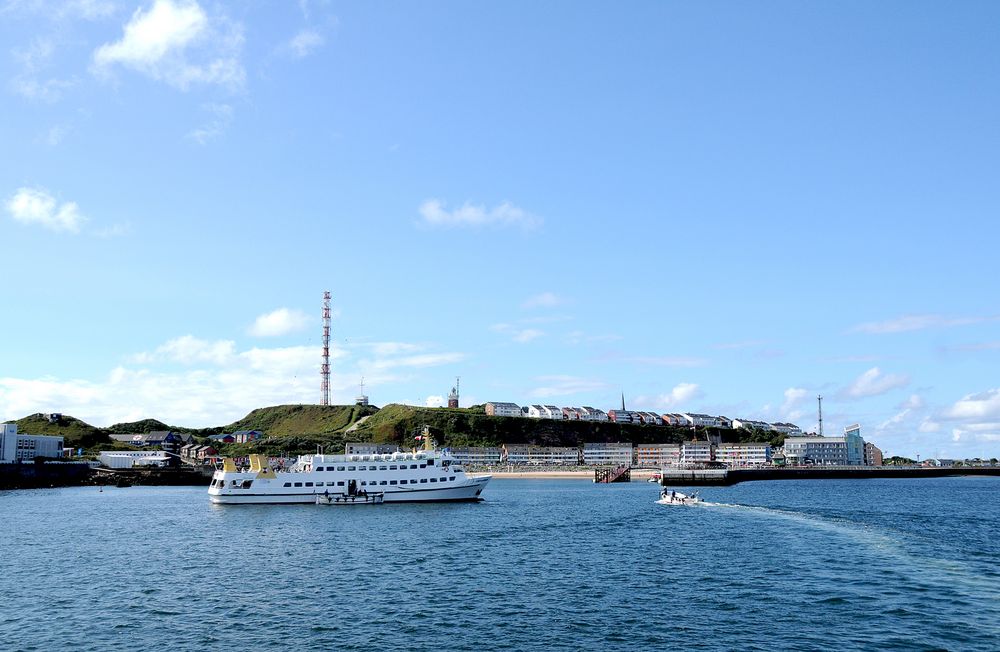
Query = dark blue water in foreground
x=797 y=565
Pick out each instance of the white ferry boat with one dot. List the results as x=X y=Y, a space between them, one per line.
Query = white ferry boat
x=420 y=476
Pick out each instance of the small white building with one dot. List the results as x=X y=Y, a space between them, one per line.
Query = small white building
x=657 y=455
x=704 y=420
x=132 y=459
x=789 y=429
x=594 y=414
x=750 y=424
x=553 y=412
x=673 y=419
x=743 y=455
x=650 y=418
x=498 y=409
x=16 y=447
x=607 y=453
x=573 y=414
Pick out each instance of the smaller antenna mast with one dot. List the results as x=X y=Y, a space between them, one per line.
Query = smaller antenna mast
x=820 y=399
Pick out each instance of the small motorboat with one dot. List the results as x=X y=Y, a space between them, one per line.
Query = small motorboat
x=668 y=497
x=348 y=499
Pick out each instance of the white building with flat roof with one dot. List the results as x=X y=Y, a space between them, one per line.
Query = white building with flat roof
x=607 y=453
x=657 y=455
x=593 y=414
x=132 y=459
x=526 y=454
x=16 y=447
x=743 y=455
x=697 y=452
x=485 y=455
x=750 y=424
x=705 y=420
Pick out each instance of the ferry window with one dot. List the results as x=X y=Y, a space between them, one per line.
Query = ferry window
x=319 y=468
x=423 y=466
x=430 y=462
x=340 y=484
x=247 y=483
x=319 y=484
x=298 y=484
x=340 y=468
x=383 y=482
x=382 y=468
x=392 y=467
x=434 y=479
x=363 y=482
x=451 y=478
x=423 y=480
x=413 y=466
x=444 y=479
x=288 y=484
x=362 y=468
x=404 y=481
x=350 y=468
x=392 y=482
x=309 y=484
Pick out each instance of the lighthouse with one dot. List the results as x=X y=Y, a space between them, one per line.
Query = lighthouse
x=453 y=395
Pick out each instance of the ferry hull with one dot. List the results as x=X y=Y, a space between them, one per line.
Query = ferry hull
x=468 y=491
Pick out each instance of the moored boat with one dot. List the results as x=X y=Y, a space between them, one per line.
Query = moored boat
x=420 y=476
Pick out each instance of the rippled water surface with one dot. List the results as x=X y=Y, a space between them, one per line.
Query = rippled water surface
x=798 y=565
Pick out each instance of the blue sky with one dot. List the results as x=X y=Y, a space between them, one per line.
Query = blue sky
x=718 y=207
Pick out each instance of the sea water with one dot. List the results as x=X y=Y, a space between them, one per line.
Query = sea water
x=540 y=564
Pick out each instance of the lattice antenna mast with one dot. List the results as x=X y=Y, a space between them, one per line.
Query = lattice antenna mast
x=820 y=400
x=325 y=368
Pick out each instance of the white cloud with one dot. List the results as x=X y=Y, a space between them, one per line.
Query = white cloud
x=792 y=407
x=908 y=323
x=562 y=385
x=420 y=360
x=37 y=206
x=188 y=350
x=907 y=409
x=873 y=383
x=176 y=42
x=517 y=334
x=681 y=393
x=580 y=337
x=984 y=405
x=30 y=82
x=543 y=300
x=668 y=361
x=305 y=42
x=55 y=134
x=434 y=402
x=434 y=213
x=279 y=322
x=220 y=117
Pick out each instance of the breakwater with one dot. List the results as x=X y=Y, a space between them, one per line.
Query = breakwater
x=36 y=475
x=726 y=477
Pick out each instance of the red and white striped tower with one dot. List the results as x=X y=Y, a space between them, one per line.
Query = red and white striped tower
x=325 y=369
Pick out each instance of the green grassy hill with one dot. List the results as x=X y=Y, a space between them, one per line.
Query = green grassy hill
x=75 y=433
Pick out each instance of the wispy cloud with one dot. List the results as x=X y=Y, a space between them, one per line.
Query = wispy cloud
x=682 y=394
x=518 y=334
x=543 y=300
x=562 y=385
x=35 y=206
x=506 y=214
x=279 y=322
x=305 y=42
x=667 y=361
x=419 y=360
x=189 y=350
x=220 y=117
x=178 y=43
x=580 y=337
x=31 y=82
x=874 y=383
x=908 y=323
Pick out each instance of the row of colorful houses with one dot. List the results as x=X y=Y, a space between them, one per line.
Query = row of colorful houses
x=587 y=413
x=618 y=453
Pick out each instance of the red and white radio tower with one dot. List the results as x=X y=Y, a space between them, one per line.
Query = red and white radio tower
x=325 y=369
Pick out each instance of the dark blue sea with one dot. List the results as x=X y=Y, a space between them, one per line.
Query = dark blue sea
x=540 y=564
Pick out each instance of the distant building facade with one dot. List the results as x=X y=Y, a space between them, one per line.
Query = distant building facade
x=369 y=448
x=525 y=454
x=605 y=453
x=476 y=454
x=17 y=447
x=657 y=455
x=743 y=455
x=131 y=459
x=499 y=409
x=750 y=424
x=697 y=452
x=873 y=454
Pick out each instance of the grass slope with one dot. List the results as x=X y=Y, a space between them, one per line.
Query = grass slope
x=75 y=433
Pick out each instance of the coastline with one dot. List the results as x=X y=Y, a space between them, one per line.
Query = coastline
x=638 y=475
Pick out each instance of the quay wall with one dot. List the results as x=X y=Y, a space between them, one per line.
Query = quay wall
x=36 y=475
x=725 y=477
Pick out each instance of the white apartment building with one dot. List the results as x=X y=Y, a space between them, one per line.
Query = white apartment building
x=705 y=420
x=16 y=447
x=604 y=454
x=476 y=454
x=744 y=454
x=574 y=414
x=787 y=429
x=673 y=419
x=657 y=455
x=697 y=452
x=650 y=418
x=519 y=454
x=498 y=409
x=553 y=412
